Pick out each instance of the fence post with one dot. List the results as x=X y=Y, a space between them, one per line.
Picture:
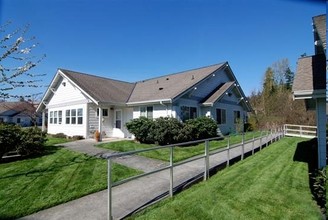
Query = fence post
x=253 y=144
x=228 y=151
x=242 y=146
x=109 y=186
x=267 y=134
x=171 y=171
x=301 y=133
x=207 y=160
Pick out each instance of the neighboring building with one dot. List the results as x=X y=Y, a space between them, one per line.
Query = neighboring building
x=310 y=83
x=21 y=113
x=80 y=104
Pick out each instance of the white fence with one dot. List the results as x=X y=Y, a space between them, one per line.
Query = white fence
x=300 y=131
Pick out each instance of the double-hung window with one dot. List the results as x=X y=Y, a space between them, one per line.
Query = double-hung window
x=146 y=112
x=188 y=112
x=221 y=116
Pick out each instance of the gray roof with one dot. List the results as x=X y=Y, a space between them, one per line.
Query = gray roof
x=311 y=73
x=15 y=108
x=171 y=86
x=218 y=93
x=320 y=25
x=102 y=89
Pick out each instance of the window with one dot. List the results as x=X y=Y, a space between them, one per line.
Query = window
x=60 y=116
x=18 y=120
x=51 y=118
x=73 y=116
x=79 y=116
x=104 y=112
x=188 y=112
x=118 y=119
x=68 y=117
x=221 y=116
x=55 y=117
x=236 y=116
x=146 y=112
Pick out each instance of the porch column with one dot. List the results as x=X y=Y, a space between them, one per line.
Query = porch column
x=321 y=131
x=44 y=120
x=100 y=122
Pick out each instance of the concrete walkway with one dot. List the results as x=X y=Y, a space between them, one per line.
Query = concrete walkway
x=87 y=146
x=132 y=195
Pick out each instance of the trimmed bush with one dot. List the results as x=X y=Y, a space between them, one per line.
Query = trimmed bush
x=59 y=135
x=200 y=128
x=166 y=130
x=27 y=141
x=33 y=140
x=10 y=138
x=141 y=128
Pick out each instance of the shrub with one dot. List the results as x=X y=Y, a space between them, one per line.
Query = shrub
x=319 y=187
x=59 y=135
x=199 y=128
x=33 y=140
x=10 y=138
x=166 y=130
x=141 y=128
x=77 y=137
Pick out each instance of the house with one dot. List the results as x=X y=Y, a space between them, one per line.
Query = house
x=21 y=113
x=310 y=83
x=79 y=103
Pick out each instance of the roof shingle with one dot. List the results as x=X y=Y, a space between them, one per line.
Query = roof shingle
x=170 y=86
x=311 y=73
x=102 y=89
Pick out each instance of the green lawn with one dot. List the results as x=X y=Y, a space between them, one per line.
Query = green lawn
x=60 y=175
x=180 y=153
x=269 y=185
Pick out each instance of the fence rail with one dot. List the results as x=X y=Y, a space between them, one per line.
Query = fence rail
x=300 y=131
x=263 y=140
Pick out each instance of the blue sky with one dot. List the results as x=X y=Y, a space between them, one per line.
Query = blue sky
x=132 y=40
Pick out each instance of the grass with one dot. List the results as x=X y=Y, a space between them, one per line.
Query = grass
x=30 y=185
x=180 y=153
x=269 y=185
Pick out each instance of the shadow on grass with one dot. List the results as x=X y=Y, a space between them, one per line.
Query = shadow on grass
x=307 y=152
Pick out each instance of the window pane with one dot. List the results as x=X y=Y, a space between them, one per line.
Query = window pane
x=68 y=118
x=223 y=116
x=193 y=112
x=60 y=115
x=73 y=112
x=105 y=112
x=143 y=111
x=80 y=112
x=150 y=112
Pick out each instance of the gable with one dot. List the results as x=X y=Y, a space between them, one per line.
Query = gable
x=66 y=93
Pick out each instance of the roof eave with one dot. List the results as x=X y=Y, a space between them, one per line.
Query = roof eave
x=159 y=101
x=309 y=94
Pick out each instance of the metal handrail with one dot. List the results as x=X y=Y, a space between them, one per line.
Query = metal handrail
x=171 y=165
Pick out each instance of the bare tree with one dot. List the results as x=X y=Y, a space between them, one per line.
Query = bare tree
x=16 y=62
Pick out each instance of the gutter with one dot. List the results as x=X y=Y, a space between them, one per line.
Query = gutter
x=159 y=101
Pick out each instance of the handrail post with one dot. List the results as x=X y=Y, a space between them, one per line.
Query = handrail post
x=253 y=144
x=109 y=190
x=228 y=151
x=171 y=171
x=207 y=160
x=261 y=140
x=242 y=146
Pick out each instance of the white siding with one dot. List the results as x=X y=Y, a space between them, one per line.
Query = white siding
x=68 y=129
x=67 y=94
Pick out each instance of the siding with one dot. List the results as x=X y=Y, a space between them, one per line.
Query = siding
x=68 y=129
x=67 y=95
